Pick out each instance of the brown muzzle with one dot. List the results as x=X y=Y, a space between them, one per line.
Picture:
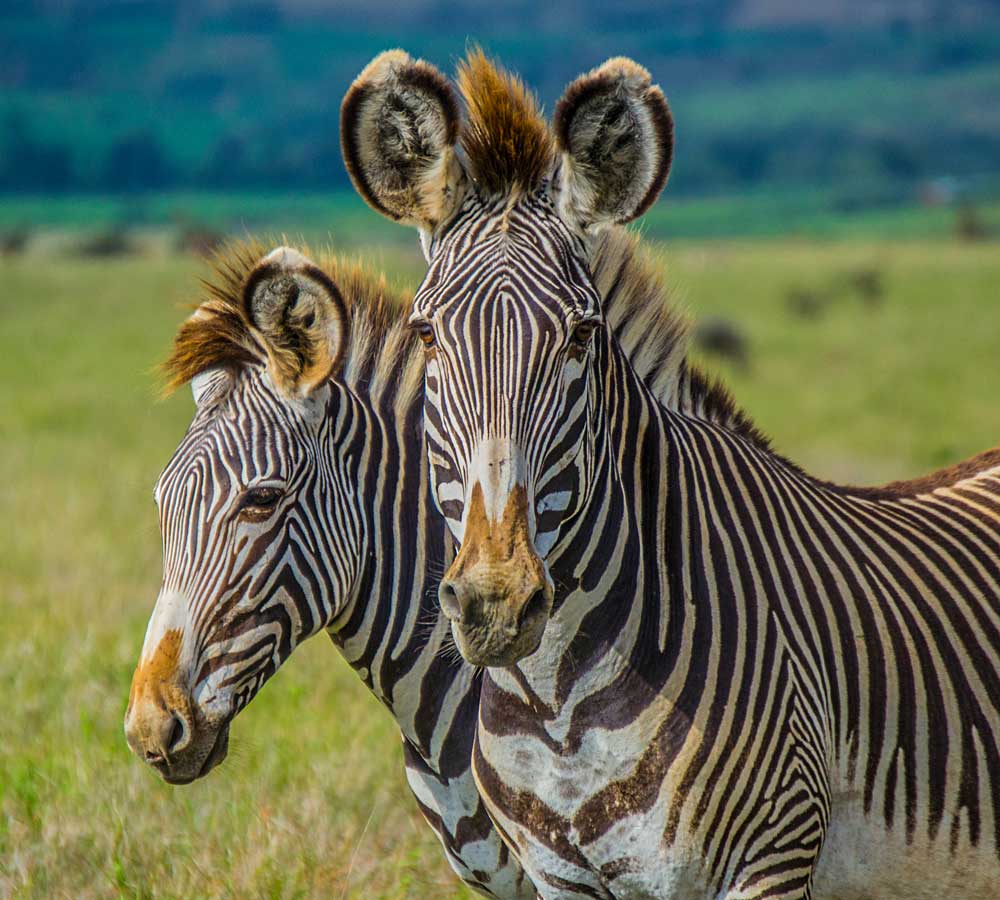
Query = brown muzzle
x=497 y=592
x=161 y=724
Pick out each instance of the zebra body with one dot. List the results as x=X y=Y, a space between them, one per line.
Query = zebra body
x=351 y=545
x=710 y=674
x=801 y=669
x=348 y=547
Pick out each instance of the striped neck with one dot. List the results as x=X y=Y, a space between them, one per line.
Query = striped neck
x=392 y=631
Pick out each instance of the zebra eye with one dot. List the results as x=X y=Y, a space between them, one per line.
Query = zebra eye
x=583 y=332
x=259 y=501
x=426 y=332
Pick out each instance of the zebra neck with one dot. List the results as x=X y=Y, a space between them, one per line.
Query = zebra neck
x=622 y=602
x=393 y=632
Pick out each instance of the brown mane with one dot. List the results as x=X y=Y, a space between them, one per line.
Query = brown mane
x=217 y=334
x=924 y=484
x=654 y=332
x=508 y=146
x=381 y=353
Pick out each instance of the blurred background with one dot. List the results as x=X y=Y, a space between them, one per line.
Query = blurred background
x=832 y=224
x=811 y=118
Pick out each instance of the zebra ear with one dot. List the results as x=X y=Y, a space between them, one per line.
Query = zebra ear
x=615 y=133
x=301 y=318
x=398 y=130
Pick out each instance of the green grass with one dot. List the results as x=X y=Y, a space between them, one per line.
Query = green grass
x=312 y=800
x=859 y=393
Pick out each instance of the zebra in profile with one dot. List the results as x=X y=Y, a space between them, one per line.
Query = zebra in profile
x=298 y=502
x=712 y=675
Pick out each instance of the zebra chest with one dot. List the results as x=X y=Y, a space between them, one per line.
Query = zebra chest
x=578 y=818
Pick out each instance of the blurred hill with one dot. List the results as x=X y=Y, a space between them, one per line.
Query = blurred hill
x=873 y=100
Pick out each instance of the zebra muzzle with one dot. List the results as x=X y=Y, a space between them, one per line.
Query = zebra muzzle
x=497 y=592
x=163 y=726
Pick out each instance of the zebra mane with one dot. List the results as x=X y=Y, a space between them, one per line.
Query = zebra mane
x=507 y=144
x=655 y=334
x=382 y=352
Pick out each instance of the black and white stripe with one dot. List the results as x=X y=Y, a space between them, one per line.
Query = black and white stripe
x=753 y=684
x=350 y=548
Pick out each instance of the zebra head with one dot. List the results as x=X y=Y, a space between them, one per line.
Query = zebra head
x=508 y=210
x=248 y=570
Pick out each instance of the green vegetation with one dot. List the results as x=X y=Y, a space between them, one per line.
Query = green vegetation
x=867 y=102
x=312 y=801
x=343 y=217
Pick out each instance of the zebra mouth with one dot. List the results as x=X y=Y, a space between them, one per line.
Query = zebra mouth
x=218 y=752
x=493 y=645
x=220 y=747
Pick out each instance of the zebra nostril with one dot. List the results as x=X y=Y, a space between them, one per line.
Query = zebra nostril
x=536 y=605
x=173 y=734
x=448 y=598
x=176 y=733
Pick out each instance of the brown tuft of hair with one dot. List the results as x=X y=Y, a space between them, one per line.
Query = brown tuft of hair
x=217 y=334
x=654 y=333
x=948 y=477
x=382 y=351
x=507 y=144
x=709 y=398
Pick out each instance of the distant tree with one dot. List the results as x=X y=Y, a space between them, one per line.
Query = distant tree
x=969 y=225
x=743 y=156
x=321 y=162
x=14 y=240
x=28 y=163
x=250 y=16
x=227 y=164
x=136 y=162
x=717 y=336
x=897 y=159
x=113 y=241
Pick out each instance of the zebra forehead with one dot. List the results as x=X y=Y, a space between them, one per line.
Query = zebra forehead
x=501 y=254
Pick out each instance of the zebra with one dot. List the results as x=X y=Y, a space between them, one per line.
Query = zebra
x=297 y=502
x=710 y=674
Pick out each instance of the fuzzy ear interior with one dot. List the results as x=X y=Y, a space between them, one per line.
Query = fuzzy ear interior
x=615 y=134
x=399 y=125
x=301 y=318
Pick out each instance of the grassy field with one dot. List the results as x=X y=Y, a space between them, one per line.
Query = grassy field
x=759 y=212
x=312 y=800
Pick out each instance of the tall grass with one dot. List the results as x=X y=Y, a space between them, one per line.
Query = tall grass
x=312 y=800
